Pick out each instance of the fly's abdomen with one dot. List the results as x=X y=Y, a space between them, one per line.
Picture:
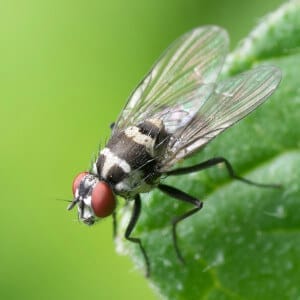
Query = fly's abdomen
x=129 y=160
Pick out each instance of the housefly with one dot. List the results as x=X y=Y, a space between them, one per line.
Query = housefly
x=176 y=110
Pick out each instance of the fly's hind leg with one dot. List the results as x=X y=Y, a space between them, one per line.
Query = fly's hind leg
x=215 y=161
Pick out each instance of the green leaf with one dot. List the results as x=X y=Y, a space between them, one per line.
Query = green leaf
x=245 y=242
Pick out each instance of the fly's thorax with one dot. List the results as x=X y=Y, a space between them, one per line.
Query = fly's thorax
x=130 y=160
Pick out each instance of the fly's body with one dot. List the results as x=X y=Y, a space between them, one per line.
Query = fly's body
x=130 y=161
x=177 y=109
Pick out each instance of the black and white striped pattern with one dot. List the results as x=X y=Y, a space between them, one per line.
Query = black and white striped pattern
x=129 y=160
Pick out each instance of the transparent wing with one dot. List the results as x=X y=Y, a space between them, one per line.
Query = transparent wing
x=179 y=81
x=231 y=100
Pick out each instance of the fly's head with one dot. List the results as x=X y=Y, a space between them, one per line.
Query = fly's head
x=94 y=198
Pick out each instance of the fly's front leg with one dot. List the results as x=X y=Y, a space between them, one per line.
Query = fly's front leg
x=115 y=226
x=214 y=161
x=177 y=194
x=134 y=218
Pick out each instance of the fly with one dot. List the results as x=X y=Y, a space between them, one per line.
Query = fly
x=177 y=109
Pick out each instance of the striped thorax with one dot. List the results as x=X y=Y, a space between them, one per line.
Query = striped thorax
x=130 y=160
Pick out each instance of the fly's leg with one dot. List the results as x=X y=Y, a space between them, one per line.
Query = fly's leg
x=177 y=194
x=134 y=218
x=115 y=225
x=112 y=125
x=214 y=161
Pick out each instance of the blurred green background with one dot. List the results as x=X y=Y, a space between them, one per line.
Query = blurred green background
x=66 y=69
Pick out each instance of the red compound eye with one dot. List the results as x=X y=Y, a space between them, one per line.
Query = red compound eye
x=103 y=200
x=77 y=181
